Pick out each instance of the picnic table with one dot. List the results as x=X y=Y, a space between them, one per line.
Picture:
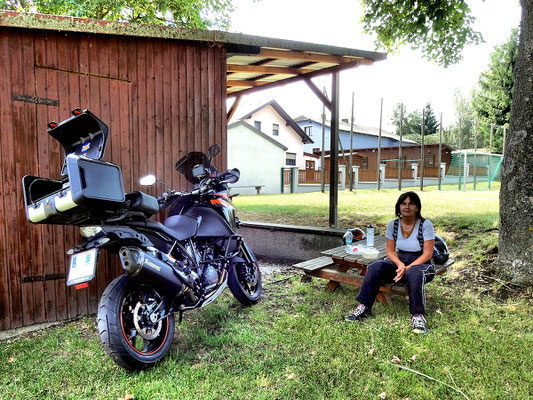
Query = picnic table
x=338 y=267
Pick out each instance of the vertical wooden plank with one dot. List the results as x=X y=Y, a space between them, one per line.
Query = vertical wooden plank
x=158 y=100
x=223 y=112
x=168 y=170
x=44 y=142
x=63 y=91
x=22 y=302
x=6 y=292
x=35 y=232
x=190 y=98
x=142 y=143
x=183 y=100
x=150 y=111
x=55 y=50
x=220 y=77
x=204 y=82
x=174 y=100
x=197 y=93
x=211 y=95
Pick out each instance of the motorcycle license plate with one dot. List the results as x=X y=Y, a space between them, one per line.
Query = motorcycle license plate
x=82 y=267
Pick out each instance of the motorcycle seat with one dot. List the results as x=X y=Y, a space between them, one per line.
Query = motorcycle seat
x=180 y=227
x=139 y=201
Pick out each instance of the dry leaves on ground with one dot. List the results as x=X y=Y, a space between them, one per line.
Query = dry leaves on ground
x=396 y=360
x=127 y=396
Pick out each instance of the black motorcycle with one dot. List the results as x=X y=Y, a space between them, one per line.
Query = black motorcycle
x=180 y=265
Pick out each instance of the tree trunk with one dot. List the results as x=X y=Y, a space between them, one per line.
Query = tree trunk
x=516 y=194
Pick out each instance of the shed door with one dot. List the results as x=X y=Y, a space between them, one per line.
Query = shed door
x=109 y=99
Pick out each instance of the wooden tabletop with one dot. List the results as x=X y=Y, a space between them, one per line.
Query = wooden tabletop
x=339 y=255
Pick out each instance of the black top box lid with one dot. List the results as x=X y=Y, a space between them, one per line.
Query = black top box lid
x=83 y=134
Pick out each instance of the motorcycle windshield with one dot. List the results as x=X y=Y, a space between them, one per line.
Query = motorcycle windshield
x=189 y=162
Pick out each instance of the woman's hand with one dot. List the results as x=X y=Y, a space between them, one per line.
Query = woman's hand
x=400 y=271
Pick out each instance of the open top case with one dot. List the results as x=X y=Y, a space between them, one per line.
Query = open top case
x=89 y=189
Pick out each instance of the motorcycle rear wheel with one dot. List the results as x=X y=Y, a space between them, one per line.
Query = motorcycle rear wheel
x=244 y=281
x=127 y=334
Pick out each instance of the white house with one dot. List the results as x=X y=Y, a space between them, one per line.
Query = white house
x=272 y=120
x=258 y=156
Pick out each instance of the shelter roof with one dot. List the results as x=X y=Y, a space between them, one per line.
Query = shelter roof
x=360 y=129
x=253 y=62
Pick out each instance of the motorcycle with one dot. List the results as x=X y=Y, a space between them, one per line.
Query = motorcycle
x=181 y=264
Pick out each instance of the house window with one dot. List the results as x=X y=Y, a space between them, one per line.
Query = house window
x=309 y=130
x=365 y=163
x=430 y=160
x=309 y=164
x=257 y=125
x=316 y=149
x=290 y=158
x=275 y=129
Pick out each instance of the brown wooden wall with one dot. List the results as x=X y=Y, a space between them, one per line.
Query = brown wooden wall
x=160 y=99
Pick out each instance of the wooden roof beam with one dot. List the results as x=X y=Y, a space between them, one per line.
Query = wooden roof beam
x=262 y=69
x=248 y=84
x=325 y=71
x=307 y=56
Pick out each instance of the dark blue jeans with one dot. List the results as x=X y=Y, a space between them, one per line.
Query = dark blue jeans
x=384 y=271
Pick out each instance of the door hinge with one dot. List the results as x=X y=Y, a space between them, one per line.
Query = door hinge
x=34 y=99
x=42 y=278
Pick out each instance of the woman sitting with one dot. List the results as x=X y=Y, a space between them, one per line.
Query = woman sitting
x=410 y=241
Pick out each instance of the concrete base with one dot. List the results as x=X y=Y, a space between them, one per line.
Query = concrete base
x=288 y=243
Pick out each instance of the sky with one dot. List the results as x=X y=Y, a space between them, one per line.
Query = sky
x=406 y=77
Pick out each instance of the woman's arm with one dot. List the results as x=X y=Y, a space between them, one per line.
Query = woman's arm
x=426 y=255
x=391 y=253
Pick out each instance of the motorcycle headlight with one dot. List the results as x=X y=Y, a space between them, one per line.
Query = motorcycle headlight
x=90 y=231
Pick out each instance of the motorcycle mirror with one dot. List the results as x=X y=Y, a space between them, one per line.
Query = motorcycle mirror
x=213 y=151
x=147 y=180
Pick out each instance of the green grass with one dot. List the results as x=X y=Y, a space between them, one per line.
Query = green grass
x=294 y=343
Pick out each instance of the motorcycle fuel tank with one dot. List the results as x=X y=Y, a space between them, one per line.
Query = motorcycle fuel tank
x=212 y=225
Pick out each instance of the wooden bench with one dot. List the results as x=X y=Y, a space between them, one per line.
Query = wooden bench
x=257 y=188
x=338 y=267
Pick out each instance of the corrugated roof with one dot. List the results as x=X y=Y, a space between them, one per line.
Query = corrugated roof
x=253 y=62
x=360 y=129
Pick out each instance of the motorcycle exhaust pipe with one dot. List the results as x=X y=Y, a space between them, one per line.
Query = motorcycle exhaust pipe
x=139 y=263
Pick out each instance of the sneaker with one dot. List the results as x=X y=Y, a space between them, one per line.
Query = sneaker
x=418 y=323
x=360 y=312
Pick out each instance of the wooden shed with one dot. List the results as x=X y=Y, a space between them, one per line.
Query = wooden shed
x=161 y=91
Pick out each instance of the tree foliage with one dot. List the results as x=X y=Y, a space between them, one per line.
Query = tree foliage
x=492 y=99
x=412 y=122
x=198 y=14
x=440 y=28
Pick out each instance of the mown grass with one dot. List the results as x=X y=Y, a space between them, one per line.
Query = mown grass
x=294 y=343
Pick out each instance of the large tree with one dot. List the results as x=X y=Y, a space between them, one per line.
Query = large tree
x=441 y=28
x=492 y=99
x=199 y=14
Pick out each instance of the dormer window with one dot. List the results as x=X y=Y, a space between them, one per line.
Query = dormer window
x=257 y=125
x=275 y=129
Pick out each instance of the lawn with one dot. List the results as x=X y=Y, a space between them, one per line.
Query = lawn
x=294 y=343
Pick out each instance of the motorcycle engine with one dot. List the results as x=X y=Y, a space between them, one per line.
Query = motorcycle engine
x=210 y=278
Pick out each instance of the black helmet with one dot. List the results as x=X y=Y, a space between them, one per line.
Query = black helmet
x=440 y=251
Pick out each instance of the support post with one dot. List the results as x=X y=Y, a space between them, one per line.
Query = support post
x=491 y=136
x=334 y=146
x=379 y=145
x=400 y=164
x=322 y=165
x=475 y=155
x=440 y=151
x=350 y=170
x=422 y=153
x=355 y=176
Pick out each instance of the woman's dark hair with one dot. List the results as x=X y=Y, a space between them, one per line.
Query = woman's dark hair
x=414 y=198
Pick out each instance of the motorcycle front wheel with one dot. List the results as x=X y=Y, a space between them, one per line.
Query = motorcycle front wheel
x=126 y=325
x=244 y=281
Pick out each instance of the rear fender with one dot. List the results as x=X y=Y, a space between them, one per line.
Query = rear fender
x=113 y=236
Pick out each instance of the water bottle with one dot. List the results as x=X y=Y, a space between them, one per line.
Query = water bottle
x=370 y=236
x=348 y=239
